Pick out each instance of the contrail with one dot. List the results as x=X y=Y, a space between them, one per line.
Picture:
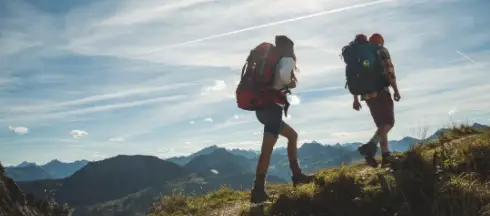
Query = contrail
x=466 y=56
x=322 y=13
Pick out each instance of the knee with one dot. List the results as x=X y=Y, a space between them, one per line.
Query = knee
x=293 y=137
x=386 y=128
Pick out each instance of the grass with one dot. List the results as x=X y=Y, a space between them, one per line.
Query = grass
x=450 y=177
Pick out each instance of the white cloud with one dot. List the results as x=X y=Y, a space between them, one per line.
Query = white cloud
x=236 y=116
x=19 y=130
x=294 y=100
x=452 y=111
x=208 y=120
x=219 y=85
x=117 y=139
x=192 y=122
x=78 y=133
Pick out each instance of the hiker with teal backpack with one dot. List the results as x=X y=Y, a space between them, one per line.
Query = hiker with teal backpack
x=267 y=76
x=369 y=74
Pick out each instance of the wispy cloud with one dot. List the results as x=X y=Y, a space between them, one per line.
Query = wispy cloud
x=466 y=56
x=153 y=74
x=322 y=13
x=117 y=139
x=96 y=98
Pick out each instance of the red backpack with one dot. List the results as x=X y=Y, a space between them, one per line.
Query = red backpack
x=255 y=88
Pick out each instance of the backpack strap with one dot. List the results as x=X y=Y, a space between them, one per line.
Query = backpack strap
x=249 y=57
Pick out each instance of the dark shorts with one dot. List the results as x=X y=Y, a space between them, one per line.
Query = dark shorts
x=271 y=118
x=381 y=108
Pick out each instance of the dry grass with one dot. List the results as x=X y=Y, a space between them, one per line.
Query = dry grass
x=450 y=177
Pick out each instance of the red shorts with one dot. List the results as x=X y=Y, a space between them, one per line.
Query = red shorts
x=382 y=109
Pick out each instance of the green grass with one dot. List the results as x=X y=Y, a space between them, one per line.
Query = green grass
x=450 y=177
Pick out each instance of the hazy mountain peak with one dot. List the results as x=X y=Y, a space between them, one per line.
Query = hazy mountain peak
x=26 y=164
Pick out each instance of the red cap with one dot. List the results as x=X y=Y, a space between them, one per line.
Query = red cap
x=376 y=38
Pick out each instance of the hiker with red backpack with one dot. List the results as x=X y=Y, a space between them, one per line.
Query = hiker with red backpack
x=267 y=77
x=370 y=73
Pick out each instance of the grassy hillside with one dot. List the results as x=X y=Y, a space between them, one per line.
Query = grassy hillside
x=449 y=176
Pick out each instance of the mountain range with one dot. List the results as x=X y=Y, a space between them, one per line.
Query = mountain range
x=127 y=185
x=55 y=169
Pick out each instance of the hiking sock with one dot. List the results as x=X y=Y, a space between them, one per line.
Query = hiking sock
x=375 y=139
x=294 y=166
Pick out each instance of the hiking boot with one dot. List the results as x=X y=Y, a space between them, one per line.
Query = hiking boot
x=258 y=195
x=388 y=159
x=302 y=179
x=368 y=150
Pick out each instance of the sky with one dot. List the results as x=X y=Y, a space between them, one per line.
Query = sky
x=91 y=79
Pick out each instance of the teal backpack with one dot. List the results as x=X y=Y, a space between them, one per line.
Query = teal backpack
x=364 y=72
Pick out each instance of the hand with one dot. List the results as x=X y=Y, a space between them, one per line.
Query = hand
x=396 y=96
x=356 y=105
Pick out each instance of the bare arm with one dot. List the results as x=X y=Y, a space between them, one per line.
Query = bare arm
x=389 y=68
x=356 y=97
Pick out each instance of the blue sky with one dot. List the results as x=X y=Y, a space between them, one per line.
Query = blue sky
x=93 y=79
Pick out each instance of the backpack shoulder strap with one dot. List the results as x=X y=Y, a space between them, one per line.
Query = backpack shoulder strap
x=249 y=57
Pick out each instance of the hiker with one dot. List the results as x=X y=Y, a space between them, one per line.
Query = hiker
x=270 y=71
x=371 y=75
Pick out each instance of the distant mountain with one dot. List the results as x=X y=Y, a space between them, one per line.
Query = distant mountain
x=27 y=173
x=116 y=177
x=312 y=156
x=219 y=162
x=480 y=126
x=221 y=167
x=109 y=180
x=25 y=164
x=403 y=144
x=14 y=202
x=280 y=151
x=59 y=170
x=182 y=160
x=245 y=153
x=439 y=132
x=55 y=169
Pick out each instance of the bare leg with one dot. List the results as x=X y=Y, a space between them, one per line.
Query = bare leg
x=298 y=176
x=383 y=135
x=288 y=132
x=268 y=143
